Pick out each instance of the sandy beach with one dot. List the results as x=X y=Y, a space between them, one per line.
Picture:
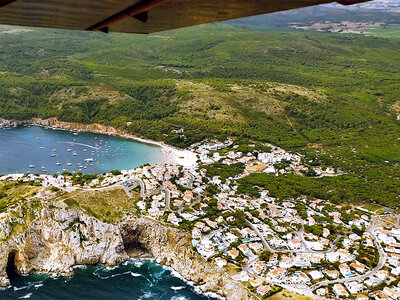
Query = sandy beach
x=172 y=155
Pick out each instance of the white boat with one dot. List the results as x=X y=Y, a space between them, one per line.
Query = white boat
x=53 y=155
x=31 y=166
x=89 y=159
x=58 y=163
x=68 y=150
x=69 y=164
x=74 y=153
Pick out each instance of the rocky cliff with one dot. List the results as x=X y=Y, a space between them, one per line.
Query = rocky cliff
x=53 y=122
x=50 y=237
x=54 y=240
x=172 y=247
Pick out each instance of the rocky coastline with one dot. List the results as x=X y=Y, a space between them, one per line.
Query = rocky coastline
x=55 y=123
x=54 y=238
x=51 y=237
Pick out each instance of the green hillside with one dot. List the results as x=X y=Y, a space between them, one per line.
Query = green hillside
x=332 y=97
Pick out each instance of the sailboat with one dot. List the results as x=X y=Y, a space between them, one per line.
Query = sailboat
x=58 y=163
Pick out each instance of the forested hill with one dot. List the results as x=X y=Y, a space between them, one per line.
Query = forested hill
x=333 y=97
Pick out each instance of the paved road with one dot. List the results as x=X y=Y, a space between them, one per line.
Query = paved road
x=167 y=199
x=191 y=180
x=300 y=235
x=381 y=263
x=263 y=240
x=212 y=233
x=125 y=185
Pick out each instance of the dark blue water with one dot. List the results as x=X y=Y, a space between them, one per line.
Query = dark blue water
x=52 y=151
x=134 y=280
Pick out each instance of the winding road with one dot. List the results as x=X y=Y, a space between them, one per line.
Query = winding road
x=126 y=186
x=300 y=235
x=381 y=263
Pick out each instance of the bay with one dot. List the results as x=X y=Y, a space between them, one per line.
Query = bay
x=41 y=150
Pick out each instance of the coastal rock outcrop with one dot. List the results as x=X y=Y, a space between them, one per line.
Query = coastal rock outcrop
x=50 y=237
x=171 y=247
x=55 y=123
x=55 y=241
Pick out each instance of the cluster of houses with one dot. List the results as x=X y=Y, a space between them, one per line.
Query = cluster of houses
x=311 y=246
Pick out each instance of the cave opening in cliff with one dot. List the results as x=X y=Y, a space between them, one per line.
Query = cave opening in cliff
x=133 y=247
x=11 y=268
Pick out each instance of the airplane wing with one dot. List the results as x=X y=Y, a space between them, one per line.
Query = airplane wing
x=133 y=16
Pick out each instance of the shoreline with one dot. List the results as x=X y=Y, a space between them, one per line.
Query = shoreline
x=171 y=155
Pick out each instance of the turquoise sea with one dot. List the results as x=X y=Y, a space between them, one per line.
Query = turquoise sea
x=32 y=145
x=134 y=280
x=39 y=150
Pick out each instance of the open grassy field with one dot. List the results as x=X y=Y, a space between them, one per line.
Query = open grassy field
x=11 y=193
x=286 y=295
x=393 y=33
x=106 y=205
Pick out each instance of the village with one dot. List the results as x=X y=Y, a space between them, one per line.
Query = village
x=305 y=245
x=340 y=27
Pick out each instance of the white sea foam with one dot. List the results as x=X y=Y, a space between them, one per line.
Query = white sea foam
x=178 y=298
x=136 y=274
x=21 y=288
x=138 y=264
x=208 y=294
x=191 y=283
x=36 y=286
x=147 y=295
x=26 y=296
x=178 y=275
x=177 y=288
x=79 y=267
x=113 y=275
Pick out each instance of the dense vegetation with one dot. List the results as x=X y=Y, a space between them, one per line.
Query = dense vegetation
x=332 y=97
